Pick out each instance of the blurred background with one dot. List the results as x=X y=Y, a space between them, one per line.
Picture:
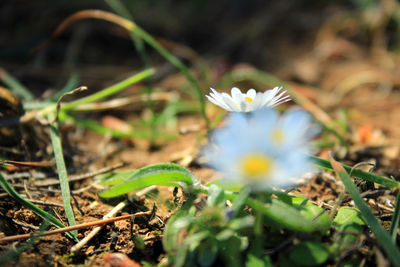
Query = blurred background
x=339 y=55
x=270 y=35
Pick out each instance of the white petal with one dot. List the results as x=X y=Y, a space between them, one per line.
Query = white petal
x=230 y=103
x=218 y=103
x=216 y=95
x=236 y=94
x=251 y=93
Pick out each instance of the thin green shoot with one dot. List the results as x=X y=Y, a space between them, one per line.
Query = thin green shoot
x=62 y=172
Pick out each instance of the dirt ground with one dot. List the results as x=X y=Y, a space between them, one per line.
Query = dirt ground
x=345 y=82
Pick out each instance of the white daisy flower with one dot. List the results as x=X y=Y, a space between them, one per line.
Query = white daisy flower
x=263 y=150
x=250 y=101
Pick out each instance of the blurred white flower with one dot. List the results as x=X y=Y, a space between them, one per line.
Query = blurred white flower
x=247 y=102
x=263 y=150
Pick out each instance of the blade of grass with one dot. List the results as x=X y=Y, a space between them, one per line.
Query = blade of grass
x=38 y=211
x=389 y=183
x=395 y=220
x=392 y=252
x=62 y=172
x=15 y=86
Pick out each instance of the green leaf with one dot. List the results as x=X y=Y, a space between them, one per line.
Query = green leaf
x=115 y=178
x=348 y=215
x=62 y=173
x=171 y=231
x=216 y=197
x=347 y=236
x=280 y=214
x=254 y=261
x=169 y=174
x=241 y=223
x=312 y=212
x=240 y=200
x=392 y=252
x=309 y=254
x=207 y=253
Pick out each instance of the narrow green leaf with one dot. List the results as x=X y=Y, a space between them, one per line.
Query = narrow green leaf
x=312 y=212
x=207 y=253
x=392 y=252
x=348 y=215
x=62 y=173
x=157 y=174
x=240 y=200
x=38 y=211
x=179 y=221
x=115 y=178
x=389 y=183
x=281 y=214
x=285 y=215
x=216 y=197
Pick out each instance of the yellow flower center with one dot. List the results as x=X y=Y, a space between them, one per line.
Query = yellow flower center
x=256 y=166
x=248 y=99
x=278 y=136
